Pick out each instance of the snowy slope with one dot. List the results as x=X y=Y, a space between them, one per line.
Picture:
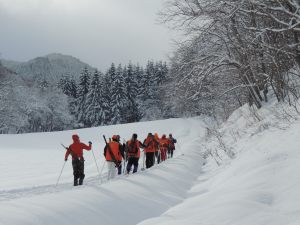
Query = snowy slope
x=33 y=161
x=260 y=185
x=50 y=67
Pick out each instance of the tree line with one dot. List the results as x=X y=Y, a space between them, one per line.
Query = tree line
x=124 y=94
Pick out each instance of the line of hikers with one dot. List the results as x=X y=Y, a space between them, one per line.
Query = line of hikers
x=155 y=149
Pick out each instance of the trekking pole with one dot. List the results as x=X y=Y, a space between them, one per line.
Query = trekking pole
x=60 y=173
x=96 y=165
x=124 y=164
x=143 y=160
x=125 y=156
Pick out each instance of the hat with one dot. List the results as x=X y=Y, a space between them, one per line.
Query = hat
x=116 y=137
x=134 y=136
x=75 y=137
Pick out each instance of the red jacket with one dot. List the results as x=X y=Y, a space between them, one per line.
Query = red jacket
x=76 y=149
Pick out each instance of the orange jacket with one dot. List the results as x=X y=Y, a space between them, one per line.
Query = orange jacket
x=156 y=136
x=164 y=143
x=116 y=149
x=133 y=148
x=151 y=145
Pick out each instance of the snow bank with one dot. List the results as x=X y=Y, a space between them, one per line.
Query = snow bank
x=260 y=186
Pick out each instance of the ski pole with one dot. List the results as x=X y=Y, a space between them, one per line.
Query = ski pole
x=124 y=165
x=60 y=173
x=125 y=155
x=96 y=165
x=143 y=160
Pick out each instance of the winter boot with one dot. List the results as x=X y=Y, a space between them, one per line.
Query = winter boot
x=120 y=170
x=75 y=182
x=135 y=169
x=81 y=180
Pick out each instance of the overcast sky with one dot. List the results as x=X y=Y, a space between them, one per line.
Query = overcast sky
x=96 y=31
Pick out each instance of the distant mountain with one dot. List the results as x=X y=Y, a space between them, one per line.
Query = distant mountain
x=50 y=67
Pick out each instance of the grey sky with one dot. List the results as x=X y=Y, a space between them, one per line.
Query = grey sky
x=96 y=31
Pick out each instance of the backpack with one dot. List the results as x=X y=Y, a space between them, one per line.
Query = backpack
x=132 y=147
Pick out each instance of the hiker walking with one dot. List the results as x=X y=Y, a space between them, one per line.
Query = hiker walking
x=115 y=160
x=164 y=146
x=133 y=153
x=150 y=147
x=172 y=142
x=76 y=151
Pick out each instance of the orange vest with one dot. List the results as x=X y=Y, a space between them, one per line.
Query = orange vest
x=115 y=148
x=133 y=149
x=151 y=145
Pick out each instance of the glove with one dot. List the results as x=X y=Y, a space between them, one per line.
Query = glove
x=66 y=160
x=90 y=143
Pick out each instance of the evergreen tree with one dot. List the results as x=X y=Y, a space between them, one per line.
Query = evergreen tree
x=62 y=84
x=140 y=77
x=117 y=94
x=95 y=114
x=131 y=113
x=161 y=71
x=83 y=90
x=106 y=83
x=73 y=88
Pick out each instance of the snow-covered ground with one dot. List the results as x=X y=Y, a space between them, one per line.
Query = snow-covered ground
x=31 y=164
x=250 y=176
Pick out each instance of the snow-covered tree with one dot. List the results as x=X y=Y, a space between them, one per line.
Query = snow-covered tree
x=131 y=111
x=95 y=110
x=235 y=52
x=118 y=98
x=81 y=102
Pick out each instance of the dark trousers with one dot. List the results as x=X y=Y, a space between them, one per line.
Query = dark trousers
x=149 y=159
x=78 y=171
x=170 y=153
x=132 y=161
x=120 y=168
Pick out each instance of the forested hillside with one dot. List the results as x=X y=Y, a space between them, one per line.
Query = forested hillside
x=27 y=108
x=59 y=92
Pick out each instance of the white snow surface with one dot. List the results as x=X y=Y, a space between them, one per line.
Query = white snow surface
x=260 y=185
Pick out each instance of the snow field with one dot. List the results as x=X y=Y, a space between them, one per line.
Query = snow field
x=33 y=161
x=260 y=185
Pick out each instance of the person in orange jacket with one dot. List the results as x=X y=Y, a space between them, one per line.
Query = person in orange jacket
x=163 y=146
x=151 y=145
x=118 y=154
x=133 y=153
x=76 y=151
